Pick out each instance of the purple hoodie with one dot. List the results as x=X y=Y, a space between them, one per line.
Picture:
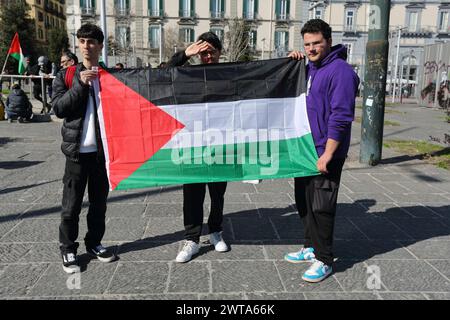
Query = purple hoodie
x=330 y=100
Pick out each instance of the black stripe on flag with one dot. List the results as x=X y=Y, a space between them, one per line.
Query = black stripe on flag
x=223 y=82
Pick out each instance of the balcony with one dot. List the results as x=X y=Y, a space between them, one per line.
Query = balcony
x=217 y=15
x=87 y=11
x=121 y=12
x=156 y=13
x=250 y=16
x=282 y=17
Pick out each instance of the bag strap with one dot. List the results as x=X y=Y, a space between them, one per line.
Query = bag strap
x=70 y=73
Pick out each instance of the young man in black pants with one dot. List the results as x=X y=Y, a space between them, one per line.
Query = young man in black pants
x=208 y=47
x=82 y=146
x=330 y=100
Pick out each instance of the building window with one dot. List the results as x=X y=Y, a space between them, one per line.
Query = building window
x=250 y=9
x=123 y=36
x=252 y=38
x=154 y=36
x=40 y=33
x=281 y=43
x=122 y=7
x=187 y=35
x=413 y=21
x=349 y=47
x=350 y=20
x=443 y=20
x=219 y=33
x=187 y=8
x=217 y=8
x=282 y=9
x=40 y=16
x=87 y=6
x=155 y=8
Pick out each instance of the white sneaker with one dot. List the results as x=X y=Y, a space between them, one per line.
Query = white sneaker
x=217 y=241
x=252 y=181
x=189 y=249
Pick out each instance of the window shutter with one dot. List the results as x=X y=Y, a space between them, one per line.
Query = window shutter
x=256 y=6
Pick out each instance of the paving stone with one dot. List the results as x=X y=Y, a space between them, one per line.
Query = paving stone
x=402 y=296
x=442 y=209
x=429 y=249
x=423 y=228
x=271 y=197
x=379 y=228
x=377 y=197
x=139 y=278
x=276 y=250
x=276 y=210
x=55 y=281
x=290 y=227
x=275 y=296
x=253 y=229
x=11 y=211
x=351 y=210
x=344 y=230
x=341 y=296
x=234 y=210
x=164 y=210
x=365 y=249
x=33 y=230
x=410 y=275
x=238 y=252
x=125 y=211
x=125 y=229
x=45 y=211
x=274 y=186
x=232 y=276
x=419 y=197
x=355 y=277
x=164 y=229
x=221 y=296
x=190 y=277
x=13 y=252
x=443 y=266
x=418 y=210
x=240 y=187
x=385 y=210
x=18 y=279
x=6 y=227
x=148 y=251
x=437 y=295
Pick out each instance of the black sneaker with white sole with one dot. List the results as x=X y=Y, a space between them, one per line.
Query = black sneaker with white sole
x=101 y=253
x=70 y=262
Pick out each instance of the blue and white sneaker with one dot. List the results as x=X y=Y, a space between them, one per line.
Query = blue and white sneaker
x=304 y=255
x=317 y=272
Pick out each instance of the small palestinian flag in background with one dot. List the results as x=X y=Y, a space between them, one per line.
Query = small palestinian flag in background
x=206 y=123
x=16 y=52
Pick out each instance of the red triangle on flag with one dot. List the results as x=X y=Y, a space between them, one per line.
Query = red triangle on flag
x=135 y=128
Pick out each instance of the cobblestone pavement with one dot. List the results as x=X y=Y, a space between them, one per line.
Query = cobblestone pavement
x=393 y=218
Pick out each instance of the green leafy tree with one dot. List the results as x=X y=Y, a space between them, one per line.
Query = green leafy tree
x=58 y=43
x=14 y=17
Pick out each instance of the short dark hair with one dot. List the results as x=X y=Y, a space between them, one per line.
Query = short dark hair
x=317 y=26
x=119 y=65
x=71 y=56
x=212 y=39
x=89 y=30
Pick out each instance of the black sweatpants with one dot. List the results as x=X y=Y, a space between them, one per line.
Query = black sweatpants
x=193 y=198
x=88 y=171
x=316 y=199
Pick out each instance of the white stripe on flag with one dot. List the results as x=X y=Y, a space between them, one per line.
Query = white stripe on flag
x=247 y=120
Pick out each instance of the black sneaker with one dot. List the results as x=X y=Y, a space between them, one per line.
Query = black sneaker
x=70 y=262
x=101 y=253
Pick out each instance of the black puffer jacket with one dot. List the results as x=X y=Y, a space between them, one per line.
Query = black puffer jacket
x=18 y=102
x=70 y=105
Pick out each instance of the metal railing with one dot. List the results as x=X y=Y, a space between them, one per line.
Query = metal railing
x=30 y=84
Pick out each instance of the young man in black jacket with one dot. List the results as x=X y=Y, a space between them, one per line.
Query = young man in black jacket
x=82 y=146
x=208 y=48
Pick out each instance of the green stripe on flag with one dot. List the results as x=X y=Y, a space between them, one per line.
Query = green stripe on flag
x=289 y=158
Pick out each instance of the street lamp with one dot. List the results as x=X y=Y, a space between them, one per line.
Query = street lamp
x=399 y=33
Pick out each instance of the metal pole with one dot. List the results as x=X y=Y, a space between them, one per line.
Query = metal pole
x=105 y=33
x=270 y=34
x=438 y=57
x=396 y=62
x=160 y=43
x=408 y=72
x=44 y=95
x=377 y=49
x=74 y=43
x=263 y=40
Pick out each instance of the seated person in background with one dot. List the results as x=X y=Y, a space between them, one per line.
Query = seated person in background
x=17 y=105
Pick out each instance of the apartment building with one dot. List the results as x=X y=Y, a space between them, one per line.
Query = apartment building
x=144 y=32
x=47 y=14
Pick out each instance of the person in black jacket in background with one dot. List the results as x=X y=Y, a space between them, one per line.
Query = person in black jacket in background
x=208 y=47
x=82 y=146
x=17 y=105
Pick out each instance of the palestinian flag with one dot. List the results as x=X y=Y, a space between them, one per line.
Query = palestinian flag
x=16 y=52
x=205 y=123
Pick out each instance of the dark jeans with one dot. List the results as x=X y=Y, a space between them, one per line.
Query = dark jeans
x=26 y=114
x=91 y=172
x=316 y=199
x=193 y=198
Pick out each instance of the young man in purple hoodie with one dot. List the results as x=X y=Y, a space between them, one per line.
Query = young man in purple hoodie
x=330 y=100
